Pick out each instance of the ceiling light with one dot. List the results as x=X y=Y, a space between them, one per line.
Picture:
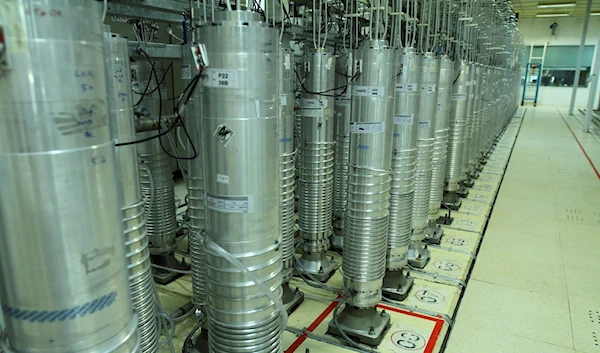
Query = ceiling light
x=595 y=14
x=552 y=15
x=549 y=6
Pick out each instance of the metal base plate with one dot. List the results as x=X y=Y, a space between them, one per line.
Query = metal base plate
x=337 y=242
x=433 y=233
x=463 y=191
x=364 y=325
x=452 y=201
x=291 y=298
x=418 y=255
x=321 y=270
x=396 y=285
x=167 y=260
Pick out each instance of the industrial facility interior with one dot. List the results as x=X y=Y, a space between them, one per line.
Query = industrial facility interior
x=270 y=176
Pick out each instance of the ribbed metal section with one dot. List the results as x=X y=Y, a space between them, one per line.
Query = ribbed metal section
x=441 y=135
x=471 y=83
x=341 y=131
x=240 y=114
x=194 y=179
x=155 y=166
x=457 y=125
x=315 y=159
x=367 y=213
x=63 y=269
x=120 y=103
x=287 y=170
x=404 y=157
x=425 y=142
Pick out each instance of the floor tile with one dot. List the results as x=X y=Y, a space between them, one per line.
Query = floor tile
x=470 y=339
x=517 y=312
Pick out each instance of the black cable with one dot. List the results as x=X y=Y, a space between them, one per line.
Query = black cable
x=345 y=87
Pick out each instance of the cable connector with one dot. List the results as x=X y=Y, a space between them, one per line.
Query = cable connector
x=200 y=57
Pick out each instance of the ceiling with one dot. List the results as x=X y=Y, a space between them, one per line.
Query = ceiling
x=529 y=8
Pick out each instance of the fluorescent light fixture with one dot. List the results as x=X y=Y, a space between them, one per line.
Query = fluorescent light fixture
x=595 y=14
x=552 y=15
x=551 y=6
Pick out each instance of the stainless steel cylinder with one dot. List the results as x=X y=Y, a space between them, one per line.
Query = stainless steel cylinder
x=341 y=130
x=59 y=203
x=471 y=82
x=315 y=164
x=240 y=113
x=425 y=142
x=155 y=165
x=367 y=212
x=478 y=116
x=404 y=156
x=194 y=179
x=441 y=135
x=458 y=125
x=141 y=283
x=287 y=171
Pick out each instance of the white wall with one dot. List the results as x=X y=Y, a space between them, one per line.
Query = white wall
x=537 y=31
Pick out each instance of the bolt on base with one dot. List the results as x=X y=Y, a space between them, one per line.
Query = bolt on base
x=366 y=326
x=396 y=285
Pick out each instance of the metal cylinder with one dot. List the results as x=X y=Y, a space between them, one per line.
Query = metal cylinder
x=404 y=157
x=141 y=283
x=471 y=82
x=341 y=131
x=59 y=203
x=287 y=171
x=458 y=124
x=155 y=164
x=367 y=212
x=240 y=113
x=194 y=179
x=441 y=135
x=315 y=164
x=478 y=115
x=425 y=142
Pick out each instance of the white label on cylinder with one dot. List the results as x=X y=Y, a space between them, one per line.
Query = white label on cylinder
x=342 y=102
x=469 y=83
x=403 y=119
x=424 y=124
x=221 y=78
x=366 y=128
x=186 y=72
x=312 y=113
x=439 y=107
x=406 y=87
x=474 y=82
x=471 y=95
x=368 y=91
x=223 y=179
x=313 y=103
x=459 y=97
x=287 y=60
x=283 y=100
x=428 y=88
x=230 y=204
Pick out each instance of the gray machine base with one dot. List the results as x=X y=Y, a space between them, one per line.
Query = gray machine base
x=291 y=298
x=326 y=268
x=337 y=242
x=433 y=233
x=167 y=260
x=463 y=190
x=418 y=257
x=396 y=285
x=452 y=200
x=363 y=325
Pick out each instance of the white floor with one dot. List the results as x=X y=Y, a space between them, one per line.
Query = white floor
x=535 y=286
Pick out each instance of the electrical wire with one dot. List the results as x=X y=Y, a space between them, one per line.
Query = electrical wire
x=169 y=269
x=342 y=333
x=345 y=87
x=104 y=10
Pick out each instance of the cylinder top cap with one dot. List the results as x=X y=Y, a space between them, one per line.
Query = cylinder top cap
x=375 y=44
x=237 y=16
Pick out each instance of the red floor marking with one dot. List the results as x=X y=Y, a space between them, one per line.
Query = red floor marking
x=580 y=146
x=298 y=342
x=435 y=334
